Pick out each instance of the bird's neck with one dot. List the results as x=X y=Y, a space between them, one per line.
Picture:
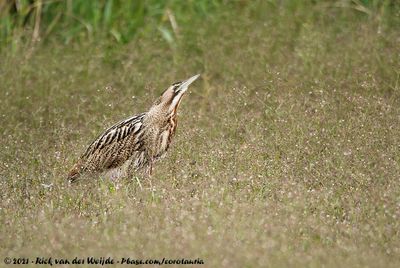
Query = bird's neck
x=156 y=115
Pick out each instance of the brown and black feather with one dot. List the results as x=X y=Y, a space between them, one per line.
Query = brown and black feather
x=137 y=141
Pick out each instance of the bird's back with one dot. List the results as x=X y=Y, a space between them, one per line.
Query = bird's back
x=112 y=148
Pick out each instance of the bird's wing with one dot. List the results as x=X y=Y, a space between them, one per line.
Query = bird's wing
x=116 y=133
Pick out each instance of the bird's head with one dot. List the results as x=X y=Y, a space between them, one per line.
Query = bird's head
x=172 y=96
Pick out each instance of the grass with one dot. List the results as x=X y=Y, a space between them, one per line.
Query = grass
x=72 y=21
x=286 y=154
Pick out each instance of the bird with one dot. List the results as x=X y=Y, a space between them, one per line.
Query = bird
x=136 y=143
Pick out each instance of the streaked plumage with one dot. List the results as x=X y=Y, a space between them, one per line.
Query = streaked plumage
x=137 y=142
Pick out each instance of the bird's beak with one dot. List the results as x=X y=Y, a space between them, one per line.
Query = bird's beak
x=184 y=86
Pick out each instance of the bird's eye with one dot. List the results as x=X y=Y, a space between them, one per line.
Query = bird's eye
x=176 y=84
x=176 y=87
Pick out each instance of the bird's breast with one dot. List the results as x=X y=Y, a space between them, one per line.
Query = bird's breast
x=165 y=136
x=163 y=143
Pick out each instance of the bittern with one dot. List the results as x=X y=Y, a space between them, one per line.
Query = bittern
x=136 y=143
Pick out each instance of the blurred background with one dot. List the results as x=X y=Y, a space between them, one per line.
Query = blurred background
x=69 y=21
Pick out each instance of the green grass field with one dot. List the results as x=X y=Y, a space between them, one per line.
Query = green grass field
x=286 y=152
